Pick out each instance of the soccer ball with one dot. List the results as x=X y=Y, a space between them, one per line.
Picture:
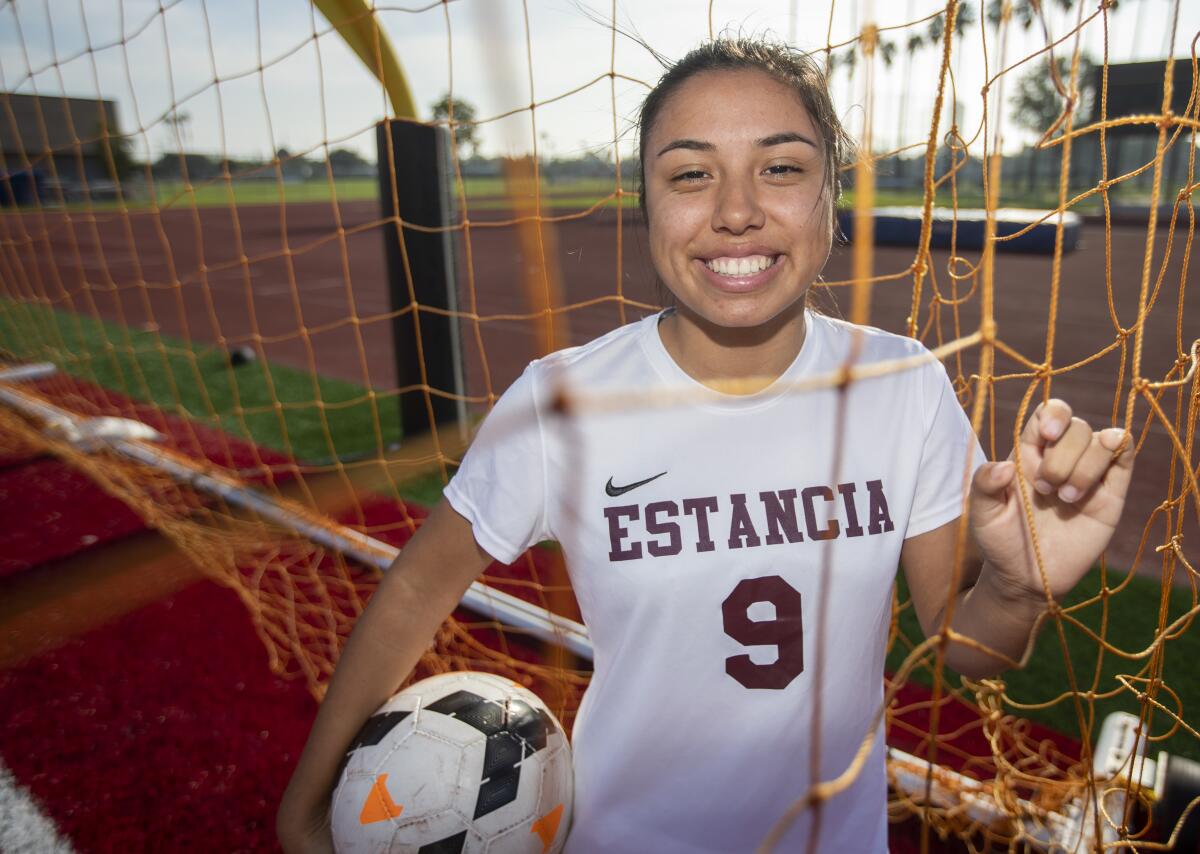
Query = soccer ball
x=462 y=762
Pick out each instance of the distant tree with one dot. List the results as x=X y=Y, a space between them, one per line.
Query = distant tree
x=887 y=52
x=1022 y=12
x=178 y=121
x=200 y=167
x=964 y=19
x=1037 y=103
x=466 y=132
x=1025 y=12
x=846 y=59
x=294 y=167
x=115 y=152
x=343 y=160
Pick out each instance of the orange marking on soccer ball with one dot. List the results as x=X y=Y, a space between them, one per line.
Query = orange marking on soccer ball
x=379 y=805
x=547 y=827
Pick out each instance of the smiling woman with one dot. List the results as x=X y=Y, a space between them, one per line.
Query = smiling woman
x=739 y=205
x=739 y=603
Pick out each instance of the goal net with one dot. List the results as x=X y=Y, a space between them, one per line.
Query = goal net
x=195 y=235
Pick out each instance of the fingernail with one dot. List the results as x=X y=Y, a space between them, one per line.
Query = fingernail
x=1043 y=487
x=1054 y=429
x=1068 y=494
x=1111 y=438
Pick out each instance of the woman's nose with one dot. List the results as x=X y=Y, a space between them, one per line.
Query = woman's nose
x=737 y=207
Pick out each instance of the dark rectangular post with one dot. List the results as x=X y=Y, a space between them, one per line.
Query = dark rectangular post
x=414 y=185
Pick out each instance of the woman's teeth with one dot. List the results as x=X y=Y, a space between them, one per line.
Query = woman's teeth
x=747 y=266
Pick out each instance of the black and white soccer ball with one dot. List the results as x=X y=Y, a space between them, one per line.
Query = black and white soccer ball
x=462 y=762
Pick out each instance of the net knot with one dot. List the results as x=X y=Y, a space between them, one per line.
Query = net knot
x=1171 y=544
x=869 y=39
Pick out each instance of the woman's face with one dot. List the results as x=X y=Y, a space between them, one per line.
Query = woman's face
x=739 y=213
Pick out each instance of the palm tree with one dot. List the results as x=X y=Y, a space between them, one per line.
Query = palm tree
x=914 y=43
x=1037 y=104
x=178 y=121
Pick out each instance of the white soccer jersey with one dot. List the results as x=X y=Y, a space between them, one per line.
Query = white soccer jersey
x=733 y=558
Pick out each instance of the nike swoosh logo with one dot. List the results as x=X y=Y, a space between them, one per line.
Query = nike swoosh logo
x=614 y=491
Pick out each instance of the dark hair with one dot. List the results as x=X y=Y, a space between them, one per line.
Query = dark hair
x=792 y=67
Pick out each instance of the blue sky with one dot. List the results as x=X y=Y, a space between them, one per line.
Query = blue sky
x=311 y=88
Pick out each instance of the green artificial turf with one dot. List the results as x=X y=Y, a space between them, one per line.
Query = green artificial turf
x=219 y=193
x=312 y=419
x=1131 y=627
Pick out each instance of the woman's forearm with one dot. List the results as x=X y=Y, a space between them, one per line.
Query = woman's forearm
x=397 y=626
x=996 y=618
x=383 y=649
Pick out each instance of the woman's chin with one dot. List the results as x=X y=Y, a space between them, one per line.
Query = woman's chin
x=744 y=311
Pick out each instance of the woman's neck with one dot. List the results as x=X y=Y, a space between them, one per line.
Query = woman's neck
x=734 y=360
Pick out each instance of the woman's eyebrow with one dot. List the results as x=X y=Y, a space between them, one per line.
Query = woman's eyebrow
x=781 y=138
x=689 y=144
x=766 y=142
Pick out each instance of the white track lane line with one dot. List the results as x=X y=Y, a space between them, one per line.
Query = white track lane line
x=23 y=827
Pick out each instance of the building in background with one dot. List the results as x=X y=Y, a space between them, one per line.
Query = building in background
x=53 y=147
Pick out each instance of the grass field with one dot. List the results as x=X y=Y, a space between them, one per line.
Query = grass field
x=196 y=382
x=480 y=193
x=1133 y=615
x=313 y=420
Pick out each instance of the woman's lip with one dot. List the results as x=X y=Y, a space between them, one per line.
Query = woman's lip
x=742 y=251
x=740 y=284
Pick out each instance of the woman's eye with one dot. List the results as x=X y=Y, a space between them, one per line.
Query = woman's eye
x=783 y=169
x=690 y=176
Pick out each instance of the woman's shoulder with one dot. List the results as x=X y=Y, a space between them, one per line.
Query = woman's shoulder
x=599 y=357
x=874 y=344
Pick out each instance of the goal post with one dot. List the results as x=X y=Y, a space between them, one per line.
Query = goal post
x=414 y=166
x=415 y=176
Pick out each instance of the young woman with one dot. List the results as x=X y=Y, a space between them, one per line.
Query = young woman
x=733 y=548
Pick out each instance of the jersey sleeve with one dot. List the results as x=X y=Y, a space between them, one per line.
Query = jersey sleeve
x=949 y=453
x=500 y=488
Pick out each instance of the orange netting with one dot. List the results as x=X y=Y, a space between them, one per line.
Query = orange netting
x=146 y=276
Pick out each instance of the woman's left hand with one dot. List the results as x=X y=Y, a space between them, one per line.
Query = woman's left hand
x=1078 y=483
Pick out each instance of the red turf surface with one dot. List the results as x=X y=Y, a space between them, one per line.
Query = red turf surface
x=164 y=731
x=51 y=511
